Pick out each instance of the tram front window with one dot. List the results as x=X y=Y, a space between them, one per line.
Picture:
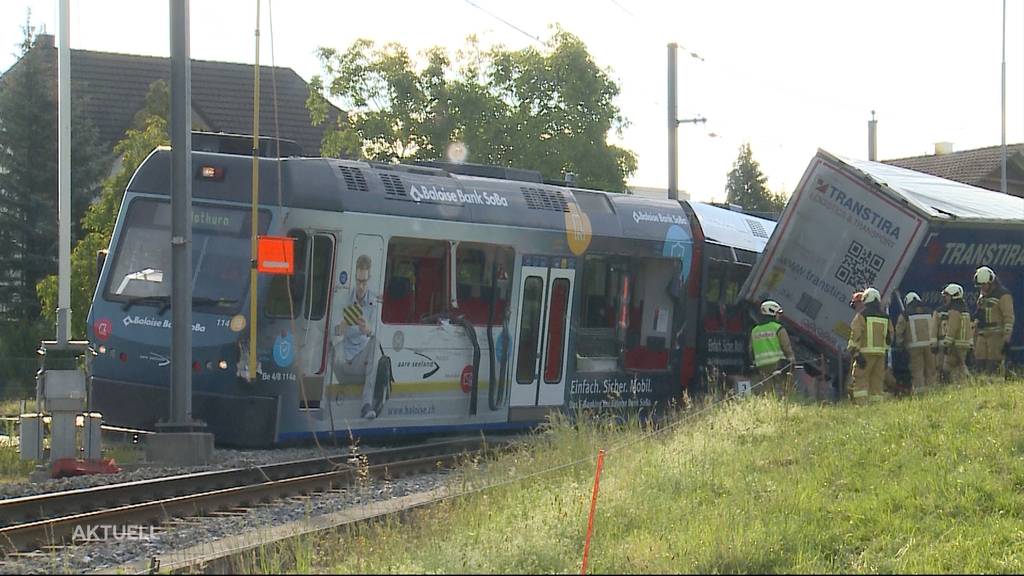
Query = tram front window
x=141 y=270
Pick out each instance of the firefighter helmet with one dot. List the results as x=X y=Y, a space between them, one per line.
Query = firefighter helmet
x=770 y=308
x=954 y=291
x=910 y=298
x=984 y=275
x=871 y=295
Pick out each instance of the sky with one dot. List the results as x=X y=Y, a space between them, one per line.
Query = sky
x=786 y=77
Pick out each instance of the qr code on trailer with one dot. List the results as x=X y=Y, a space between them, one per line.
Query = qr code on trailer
x=860 y=266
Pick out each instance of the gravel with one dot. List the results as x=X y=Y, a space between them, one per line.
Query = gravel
x=222 y=459
x=168 y=538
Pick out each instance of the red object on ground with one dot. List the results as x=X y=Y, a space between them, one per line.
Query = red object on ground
x=593 y=507
x=77 y=467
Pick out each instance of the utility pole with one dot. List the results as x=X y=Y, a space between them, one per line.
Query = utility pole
x=181 y=439
x=673 y=125
x=873 y=138
x=181 y=221
x=64 y=177
x=1002 y=180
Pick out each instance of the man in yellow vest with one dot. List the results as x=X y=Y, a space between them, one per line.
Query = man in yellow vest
x=952 y=323
x=995 y=321
x=915 y=333
x=870 y=336
x=771 y=348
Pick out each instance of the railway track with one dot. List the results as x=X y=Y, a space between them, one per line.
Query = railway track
x=31 y=522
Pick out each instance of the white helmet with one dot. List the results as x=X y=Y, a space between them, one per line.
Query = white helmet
x=954 y=291
x=911 y=297
x=871 y=295
x=984 y=275
x=770 y=308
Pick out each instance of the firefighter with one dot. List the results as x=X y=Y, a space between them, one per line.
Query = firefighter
x=857 y=301
x=771 y=349
x=994 y=321
x=952 y=324
x=870 y=335
x=914 y=333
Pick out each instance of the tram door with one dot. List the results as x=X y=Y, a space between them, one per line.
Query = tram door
x=316 y=317
x=541 y=347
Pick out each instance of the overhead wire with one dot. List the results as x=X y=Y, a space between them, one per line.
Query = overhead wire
x=503 y=21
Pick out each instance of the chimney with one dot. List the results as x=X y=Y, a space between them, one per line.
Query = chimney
x=943 y=148
x=44 y=40
x=873 y=138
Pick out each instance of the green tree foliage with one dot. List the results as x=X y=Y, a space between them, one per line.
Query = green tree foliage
x=29 y=177
x=747 y=186
x=150 y=131
x=549 y=110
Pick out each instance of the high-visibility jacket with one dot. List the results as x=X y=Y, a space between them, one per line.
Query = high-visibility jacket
x=869 y=334
x=995 y=312
x=764 y=340
x=914 y=328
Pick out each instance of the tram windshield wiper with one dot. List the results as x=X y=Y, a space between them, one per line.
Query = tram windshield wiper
x=205 y=301
x=164 y=301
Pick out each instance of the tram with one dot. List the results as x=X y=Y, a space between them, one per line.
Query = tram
x=425 y=298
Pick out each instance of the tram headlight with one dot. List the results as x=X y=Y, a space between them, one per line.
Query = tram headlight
x=102 y=349
x=223 y=364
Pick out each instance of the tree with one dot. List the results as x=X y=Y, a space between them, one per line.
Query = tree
x=149 y=131
x=29 y=178
x=747 y=186
x=549 y=110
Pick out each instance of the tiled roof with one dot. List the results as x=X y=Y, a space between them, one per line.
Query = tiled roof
x=113 y=87
x=967 y=166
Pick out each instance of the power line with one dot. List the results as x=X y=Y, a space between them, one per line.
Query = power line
x=623 y=8
x=649 y=21
x=503 y=21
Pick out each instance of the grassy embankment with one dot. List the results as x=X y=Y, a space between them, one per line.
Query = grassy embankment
x=930 y=484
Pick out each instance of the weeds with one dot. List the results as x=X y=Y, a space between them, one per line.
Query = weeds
x=924 y=484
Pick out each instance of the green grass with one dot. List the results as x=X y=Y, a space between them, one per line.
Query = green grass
x=12 y=406
x=932 y=484
x=12 y=467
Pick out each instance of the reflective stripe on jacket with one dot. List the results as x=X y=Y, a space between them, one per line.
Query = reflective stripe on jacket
x=995 y=313
x=919 y=328
x=958 y=330
x=875 y=335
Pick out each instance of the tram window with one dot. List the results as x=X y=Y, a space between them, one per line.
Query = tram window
x=529 y=330
x=278 y=304
x=320 y=274
x=415 y=285
x=482 y=274
x=602 y=295
x=140 y=263
x=604 y=280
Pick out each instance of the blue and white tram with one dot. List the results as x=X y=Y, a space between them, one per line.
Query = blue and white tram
x=424 y=299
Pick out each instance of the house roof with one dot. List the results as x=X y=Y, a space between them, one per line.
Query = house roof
x=967 y=166
x=112 y=89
